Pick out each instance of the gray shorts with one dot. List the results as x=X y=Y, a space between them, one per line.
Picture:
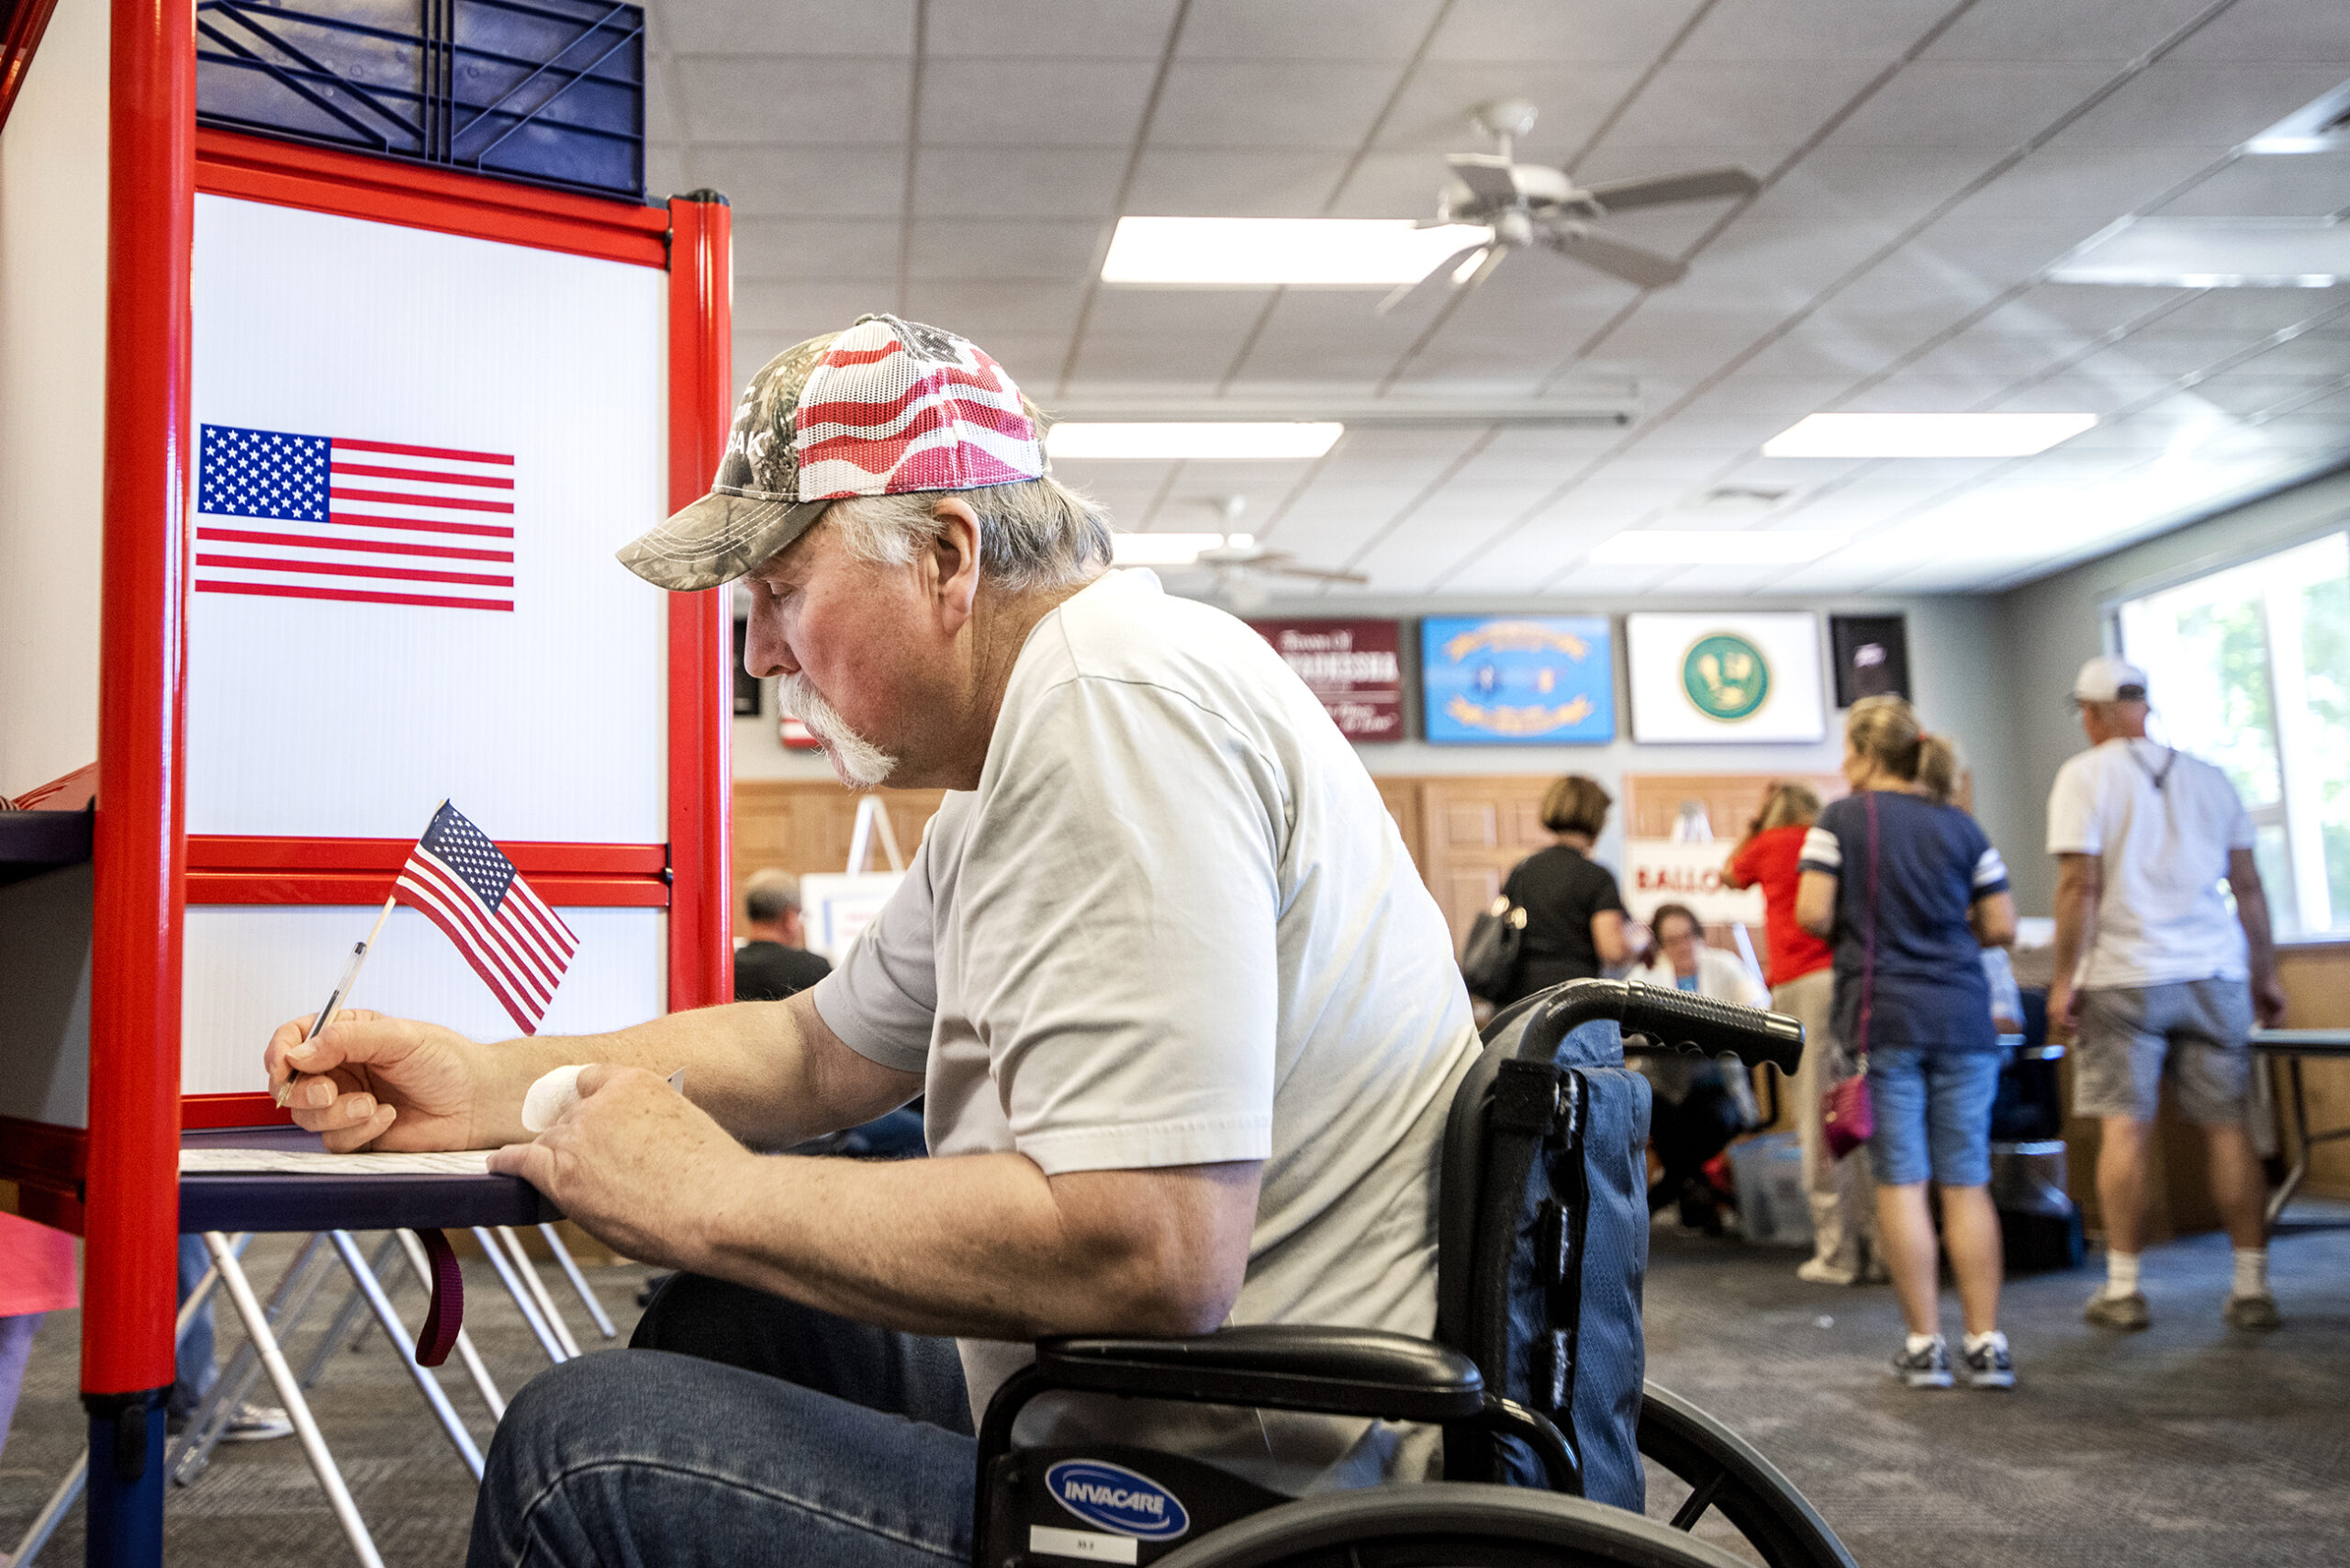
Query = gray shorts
x=2194 y=1029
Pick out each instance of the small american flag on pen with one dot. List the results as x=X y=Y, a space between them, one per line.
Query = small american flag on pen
x=466 y=886
x=292 y=516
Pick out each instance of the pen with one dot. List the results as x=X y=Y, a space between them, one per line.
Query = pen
x=284 y=1092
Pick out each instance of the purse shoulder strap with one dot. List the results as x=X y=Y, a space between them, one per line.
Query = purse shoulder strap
x=1868 y=951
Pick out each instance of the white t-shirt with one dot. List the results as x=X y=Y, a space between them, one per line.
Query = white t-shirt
x=2163 y=852
x=1174 y=926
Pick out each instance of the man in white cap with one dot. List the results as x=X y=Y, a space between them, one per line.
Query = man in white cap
x=2153 y=976
x=1186 y=1019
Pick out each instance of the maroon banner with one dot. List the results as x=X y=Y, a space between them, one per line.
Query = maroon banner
x=1352 y=666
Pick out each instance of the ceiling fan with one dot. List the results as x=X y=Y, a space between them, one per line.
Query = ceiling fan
x=1520 y=205
x=1241 y=563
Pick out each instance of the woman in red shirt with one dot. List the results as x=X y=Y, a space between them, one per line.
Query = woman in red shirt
x=1803 y=984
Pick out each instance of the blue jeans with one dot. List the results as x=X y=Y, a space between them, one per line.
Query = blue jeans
x=1933 y=1114
x=737 y=1429
x=195 y=1368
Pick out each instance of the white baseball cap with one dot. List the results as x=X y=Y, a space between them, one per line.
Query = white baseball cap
x=2107 y=679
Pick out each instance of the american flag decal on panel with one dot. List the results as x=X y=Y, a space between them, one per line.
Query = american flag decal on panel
x=290 y=516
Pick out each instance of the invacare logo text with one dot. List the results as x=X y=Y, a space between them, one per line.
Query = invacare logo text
x=1112 y=1498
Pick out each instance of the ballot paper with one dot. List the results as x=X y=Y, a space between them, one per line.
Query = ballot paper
x=314 y=1162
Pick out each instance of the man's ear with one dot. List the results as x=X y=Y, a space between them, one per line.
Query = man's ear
x=955 y=559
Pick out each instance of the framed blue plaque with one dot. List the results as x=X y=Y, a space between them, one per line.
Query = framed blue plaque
x=1518 y=680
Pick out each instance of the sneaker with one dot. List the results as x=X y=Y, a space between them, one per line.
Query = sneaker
x=1989 y=1365
x=2256 y=1314
x=1820 y=1272
x=1928 y=1367
x=2127 y=1313
x=256 y=1424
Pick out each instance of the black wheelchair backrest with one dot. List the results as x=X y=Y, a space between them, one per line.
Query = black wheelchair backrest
x=1542 y=1215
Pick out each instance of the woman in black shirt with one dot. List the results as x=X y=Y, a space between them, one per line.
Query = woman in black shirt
x=1574 y=917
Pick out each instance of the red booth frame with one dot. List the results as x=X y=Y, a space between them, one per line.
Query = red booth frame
x=117 y=1184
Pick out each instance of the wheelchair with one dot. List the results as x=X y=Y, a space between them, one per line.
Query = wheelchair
x=1534 y=1377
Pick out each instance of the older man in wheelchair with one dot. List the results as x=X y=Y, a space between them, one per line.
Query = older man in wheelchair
x=1232 y=1227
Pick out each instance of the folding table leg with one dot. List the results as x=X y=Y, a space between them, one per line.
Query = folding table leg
x=466 y=1351
x=297 y=1409
x=394 y=1330
x=45 y=1523
x=346 y=1317
x=538 y=1288
x=579 y=1281
x=494 y=1251
x=287 y=1303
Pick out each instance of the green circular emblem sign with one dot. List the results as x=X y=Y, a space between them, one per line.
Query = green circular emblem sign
x=1725 y=676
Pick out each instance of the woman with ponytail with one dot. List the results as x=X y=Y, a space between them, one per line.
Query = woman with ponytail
x=1909 y=890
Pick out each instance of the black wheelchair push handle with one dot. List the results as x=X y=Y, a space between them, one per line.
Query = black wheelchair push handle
x=1674 y=1018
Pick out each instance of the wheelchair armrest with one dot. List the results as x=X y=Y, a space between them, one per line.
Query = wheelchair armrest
x=1340 y=1371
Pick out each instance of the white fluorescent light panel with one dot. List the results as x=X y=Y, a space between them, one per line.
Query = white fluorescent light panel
x=1262 y=252
x=2213 y=252
x=1714 y=547
x=1173 y=549
x=1235 y=439
x=1925 y=436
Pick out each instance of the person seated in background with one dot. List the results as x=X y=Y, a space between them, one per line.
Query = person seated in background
x=1698 y=1106
x=775 y=963
x=1187 y=1019
x=2155 y=976
x=1842 y=1193
x=1574 y=916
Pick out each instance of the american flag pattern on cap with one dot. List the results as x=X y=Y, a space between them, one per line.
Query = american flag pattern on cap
x=895 y=407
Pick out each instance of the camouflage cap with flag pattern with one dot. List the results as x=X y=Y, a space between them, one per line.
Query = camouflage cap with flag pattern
x=887 y=407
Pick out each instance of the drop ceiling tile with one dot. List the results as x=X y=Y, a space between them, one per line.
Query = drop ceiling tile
x=794 y=100
x=1034 y=359
x=2256 y=312
x=2183 y=103
x=2003 y=251
x=1879 y=185
x=781 y=248
x=665 y=169
x=826 y=182
x=1003 y=182
x=1390 y=185
x=2161 y=351
x=804 y=309
x=788 y=26
x=1808 y=30
x=1949 y=390
x=1270 y=104
x=2107 y=389
x=2002 y=347
x=1590 y=32
x=1034 y=103
x=1964 y=104
x=1738 y=103
x=2315 y=356
x=1432 y=112
x=982 y=310
x=1787 y=263
x=1306 y=29
x=2066 y=180
x=2031 y=31
x=1228 y=311
x=2090 y=309
x=2283 y=31
x=1179 y=359
x=2311 y=184
x=1189 y=181
x=1058 y=250
x=2241 y=394
x=1096 y=30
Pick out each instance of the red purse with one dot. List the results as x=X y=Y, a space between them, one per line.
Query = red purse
x=1847 y=1115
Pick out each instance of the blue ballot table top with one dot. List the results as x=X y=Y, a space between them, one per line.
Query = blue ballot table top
x=272 y=1201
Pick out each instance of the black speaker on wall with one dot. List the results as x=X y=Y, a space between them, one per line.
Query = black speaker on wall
x=1872 y=657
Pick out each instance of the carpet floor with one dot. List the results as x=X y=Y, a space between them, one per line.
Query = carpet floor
x=2187 y=1445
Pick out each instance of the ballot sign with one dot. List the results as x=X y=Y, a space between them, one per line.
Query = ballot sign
x=1355 y=667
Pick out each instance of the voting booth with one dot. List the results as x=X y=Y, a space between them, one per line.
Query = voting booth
x=312 y=465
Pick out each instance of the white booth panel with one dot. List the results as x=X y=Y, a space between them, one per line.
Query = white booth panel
x=339 y=718
x=252 y=967
x=53 y=402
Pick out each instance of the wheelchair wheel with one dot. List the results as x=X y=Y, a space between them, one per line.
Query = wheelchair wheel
x=1723 y=1472
x=1452 y=1525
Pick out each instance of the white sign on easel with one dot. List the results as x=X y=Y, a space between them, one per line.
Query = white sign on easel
x=836 y=906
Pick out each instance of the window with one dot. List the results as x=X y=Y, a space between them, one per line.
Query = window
x=2249 y=667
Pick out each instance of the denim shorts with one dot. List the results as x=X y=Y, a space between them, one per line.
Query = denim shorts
x=1933 y=1114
